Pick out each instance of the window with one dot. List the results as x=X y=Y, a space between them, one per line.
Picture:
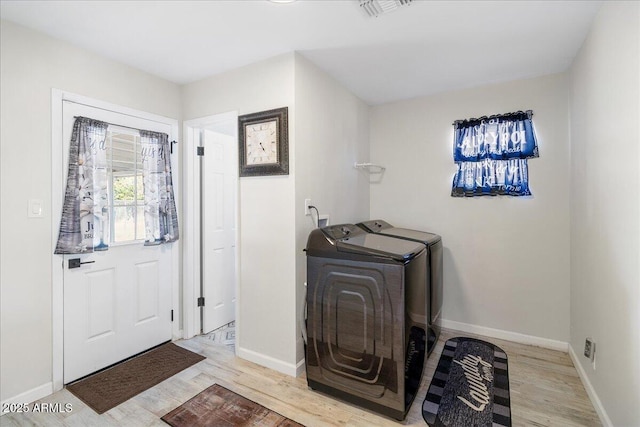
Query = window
x=126 y=193
x=119 y=188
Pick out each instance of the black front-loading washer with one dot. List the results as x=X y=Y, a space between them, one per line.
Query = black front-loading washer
x=362 y=346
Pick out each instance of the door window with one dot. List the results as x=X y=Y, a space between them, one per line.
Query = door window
x=126 y=202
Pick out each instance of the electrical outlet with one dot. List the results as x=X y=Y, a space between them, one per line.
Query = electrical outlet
x=589 y=348
x=307 y=203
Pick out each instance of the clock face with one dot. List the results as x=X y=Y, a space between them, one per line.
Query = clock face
x=261 y=141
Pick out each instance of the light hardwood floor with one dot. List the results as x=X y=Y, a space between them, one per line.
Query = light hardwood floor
x=545 y=391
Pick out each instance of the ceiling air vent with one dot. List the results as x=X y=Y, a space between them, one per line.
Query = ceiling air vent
x=374 y=8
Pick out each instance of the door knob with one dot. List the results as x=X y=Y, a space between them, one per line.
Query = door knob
x=75 y=263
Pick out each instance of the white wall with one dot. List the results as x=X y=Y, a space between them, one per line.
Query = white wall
x=605 y=209
x=267 y=327
x=506 y=260
x=31 y=65
x=332 y=133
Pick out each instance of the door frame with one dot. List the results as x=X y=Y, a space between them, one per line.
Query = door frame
x=191 y=214
x=58 y=185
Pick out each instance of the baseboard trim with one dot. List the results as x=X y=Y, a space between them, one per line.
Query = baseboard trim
x=300 y=367
x=595 y=400
x=506 y=335
x=32 y=395
x=268 y=361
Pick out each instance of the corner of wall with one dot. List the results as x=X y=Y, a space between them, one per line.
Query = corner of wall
x=591 y=392
x=331 y=132
x=604 y=102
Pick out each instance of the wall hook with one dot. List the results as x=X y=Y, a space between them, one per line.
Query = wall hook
x=370 y=167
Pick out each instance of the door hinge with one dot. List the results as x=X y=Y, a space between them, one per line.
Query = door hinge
x=201 y=302
x=200 y=151
x=172 y=315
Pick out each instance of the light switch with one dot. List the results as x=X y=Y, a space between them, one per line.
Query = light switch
x=35 y=208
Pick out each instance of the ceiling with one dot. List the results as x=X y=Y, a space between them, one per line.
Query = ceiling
x=424 y=48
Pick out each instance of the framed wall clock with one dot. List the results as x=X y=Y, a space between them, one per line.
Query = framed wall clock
x=264 y=143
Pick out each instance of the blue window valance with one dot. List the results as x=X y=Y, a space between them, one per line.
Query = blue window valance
x=490 y=177
x=491 y=155
x=500 y=137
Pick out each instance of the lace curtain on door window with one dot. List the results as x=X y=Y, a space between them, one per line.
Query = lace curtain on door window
x=84 y=213
x=160 y=217
x=84 y=226
x=491 y=155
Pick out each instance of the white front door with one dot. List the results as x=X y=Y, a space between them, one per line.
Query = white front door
x=117 y=303
x=219 y=183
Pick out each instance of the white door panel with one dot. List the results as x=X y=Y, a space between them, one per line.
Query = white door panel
x=149 y=298
x=118 y=303
x=219 y=182
x=94 y=327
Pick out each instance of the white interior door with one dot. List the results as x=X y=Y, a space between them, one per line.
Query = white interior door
x=117 y=303
x=219 y=184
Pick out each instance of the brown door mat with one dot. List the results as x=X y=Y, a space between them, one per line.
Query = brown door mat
x=111 y=387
